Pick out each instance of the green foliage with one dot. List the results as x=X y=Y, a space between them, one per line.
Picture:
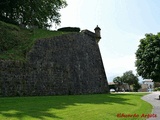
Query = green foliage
x=32 y=12
x=118 y=80
x=157 y=89
x=7 y=20
x=69 y=29
x=118 y=83
x=11 y=37
x=78 y=107
x=129 y=78
x=15 y=42
x=148 y=57
x=156 y=84
x=136 y=87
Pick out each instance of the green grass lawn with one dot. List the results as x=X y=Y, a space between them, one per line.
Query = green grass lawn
x=76 y=107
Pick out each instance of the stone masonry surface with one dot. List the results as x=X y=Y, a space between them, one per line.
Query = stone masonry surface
x=62 y=65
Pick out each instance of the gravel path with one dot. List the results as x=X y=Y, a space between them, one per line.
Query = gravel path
x=155 y=102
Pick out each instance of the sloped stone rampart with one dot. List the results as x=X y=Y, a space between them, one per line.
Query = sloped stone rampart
x=62 y=65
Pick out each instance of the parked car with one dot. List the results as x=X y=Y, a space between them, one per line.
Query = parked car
x=112 y=90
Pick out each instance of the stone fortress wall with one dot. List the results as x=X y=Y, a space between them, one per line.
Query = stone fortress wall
x=62 y=65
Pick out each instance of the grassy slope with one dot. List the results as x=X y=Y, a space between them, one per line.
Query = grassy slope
x=78 y=107
x=15 y=42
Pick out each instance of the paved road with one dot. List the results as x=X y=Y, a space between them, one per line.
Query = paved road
x=155 y=102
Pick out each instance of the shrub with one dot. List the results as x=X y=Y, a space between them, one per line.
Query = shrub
x=157 y=89
x=69 y=29
x=7 y=20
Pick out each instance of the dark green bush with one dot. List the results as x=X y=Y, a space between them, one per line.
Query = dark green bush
x=69 y=29
x=157 y=89
x=7 y=20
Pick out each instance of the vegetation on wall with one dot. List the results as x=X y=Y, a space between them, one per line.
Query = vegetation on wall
x=69 y=29
x=15 y=41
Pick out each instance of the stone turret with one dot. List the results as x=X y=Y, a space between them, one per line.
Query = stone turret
x=97 y=33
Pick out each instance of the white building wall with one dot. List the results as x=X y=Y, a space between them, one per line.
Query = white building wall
x=149 y=84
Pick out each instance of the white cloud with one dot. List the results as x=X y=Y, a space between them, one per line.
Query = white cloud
x=117 y=66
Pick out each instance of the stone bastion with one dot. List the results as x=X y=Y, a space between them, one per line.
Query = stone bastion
x=63 y=65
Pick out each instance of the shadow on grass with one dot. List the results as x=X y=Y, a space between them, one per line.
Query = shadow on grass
x=39 y=107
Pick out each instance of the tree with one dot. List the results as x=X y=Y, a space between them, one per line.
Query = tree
x=156 y=84
x=148 y=57
x=130 y=78
x=40 y=13
x=136 y=87
x=118 y=81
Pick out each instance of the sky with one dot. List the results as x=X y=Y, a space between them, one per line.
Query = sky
x=123 y=23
